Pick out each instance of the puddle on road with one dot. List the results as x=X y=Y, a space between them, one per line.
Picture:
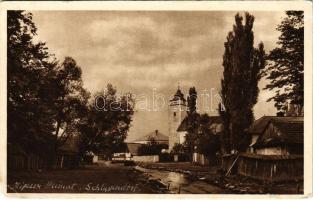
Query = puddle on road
x=179 y=182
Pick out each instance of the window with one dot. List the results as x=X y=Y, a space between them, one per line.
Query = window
x=174 y=114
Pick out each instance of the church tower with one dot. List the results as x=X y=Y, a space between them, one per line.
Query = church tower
x=176 y=114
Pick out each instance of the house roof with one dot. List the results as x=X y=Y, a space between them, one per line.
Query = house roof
x=184 y=124
x=292 y=131
x=70 y=146
x=156 y=135
x=133 y=148
x=260 y=124
x=288 y=132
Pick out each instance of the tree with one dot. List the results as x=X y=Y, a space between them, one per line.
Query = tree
x=151 y=148
x=29 y=68
x=107 y=122
x=192 y=121
x=179 y=149
x=192 y=101
x=69 y=100
x=46 y=101
x=208 y=142
x=242 y=70
x=286 y=63
x=225 y=135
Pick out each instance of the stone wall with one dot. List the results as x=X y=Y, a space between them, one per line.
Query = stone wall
x=152 y=158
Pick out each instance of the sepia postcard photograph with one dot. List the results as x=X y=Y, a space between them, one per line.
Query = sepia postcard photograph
x=167 y=98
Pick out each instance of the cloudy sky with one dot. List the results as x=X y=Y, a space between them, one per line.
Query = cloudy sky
x=146 y=52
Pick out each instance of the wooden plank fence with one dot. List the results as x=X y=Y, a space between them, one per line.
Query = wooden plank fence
x=29 y=162
x=270 y=168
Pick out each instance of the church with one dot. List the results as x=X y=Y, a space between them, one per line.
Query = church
x=177 y=119
x=177 y=111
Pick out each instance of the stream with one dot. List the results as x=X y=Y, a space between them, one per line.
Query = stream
x=179 y=182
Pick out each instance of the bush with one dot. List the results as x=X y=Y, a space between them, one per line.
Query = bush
x=166 y=157
x=152 y=148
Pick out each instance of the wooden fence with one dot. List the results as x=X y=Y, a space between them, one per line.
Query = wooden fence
x=29 y=162
x=272 y=168
x=35 y=162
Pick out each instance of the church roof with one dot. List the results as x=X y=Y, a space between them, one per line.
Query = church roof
x=212 y=120
x=178 y=96
x=183 y=125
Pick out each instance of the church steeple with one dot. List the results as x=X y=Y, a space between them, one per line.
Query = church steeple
x=178 y=98
x=176 y=114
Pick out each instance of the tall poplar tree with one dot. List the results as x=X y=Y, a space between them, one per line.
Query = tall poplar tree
x=193 y=121
x=242 y=70
x=192 y=101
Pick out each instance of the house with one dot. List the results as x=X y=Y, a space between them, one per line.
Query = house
x=132 y=147
x=155 y=135
x=281 y=136
x=275 y=153
x=259 y=125
x=256 y=129
x=68 y=154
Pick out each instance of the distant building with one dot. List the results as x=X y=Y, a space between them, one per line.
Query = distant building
x=176 y=113
x=132 y=147
x=155 y=135
x=273 y=135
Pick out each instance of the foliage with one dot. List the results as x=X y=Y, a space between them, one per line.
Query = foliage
x=286 y=63
x=70 y=100
x=30 y=68
x=47 y=103
x=224 y=137
x=208 y=142
x=192 y=121
x=242 y=70
x=107 y=122
x=203 y=140
x=179 y=149
x=43 y=96
x=192 y=101
x=152 y=148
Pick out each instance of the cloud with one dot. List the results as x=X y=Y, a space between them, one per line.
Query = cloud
x=137 y=51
